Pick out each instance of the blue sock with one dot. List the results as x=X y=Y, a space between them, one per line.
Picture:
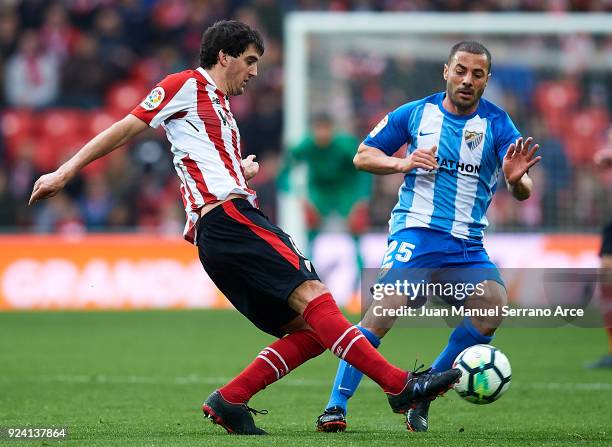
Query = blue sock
x=464 y=336
x=348 y=377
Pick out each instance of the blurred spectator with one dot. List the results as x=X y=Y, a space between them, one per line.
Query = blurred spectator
x=83 y=78
x=135 y=16
x=58 y=35
x=114 y=51
x=22 y=175
x=23 y=172
x=96 y=202
x=32 y=74
x=262 y=127
x=59 y=215
x=9 y=31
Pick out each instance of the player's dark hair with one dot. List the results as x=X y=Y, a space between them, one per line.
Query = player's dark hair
x=231 y=37
x=470 y=46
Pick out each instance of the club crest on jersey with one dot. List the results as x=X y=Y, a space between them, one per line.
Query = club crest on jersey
x=154 y=99
x=473 y=139
x=383 y=122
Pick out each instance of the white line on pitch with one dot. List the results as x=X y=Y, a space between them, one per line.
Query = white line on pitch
x=194 y=379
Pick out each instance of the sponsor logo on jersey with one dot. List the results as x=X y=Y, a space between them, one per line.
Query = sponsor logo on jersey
x=454 y=166
x=473 y=139
x=380 y=126
x=154 y=99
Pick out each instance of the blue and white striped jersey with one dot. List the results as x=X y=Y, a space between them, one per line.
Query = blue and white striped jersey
x=455 y=197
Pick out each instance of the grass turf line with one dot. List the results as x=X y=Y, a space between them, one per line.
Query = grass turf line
x=139 y=378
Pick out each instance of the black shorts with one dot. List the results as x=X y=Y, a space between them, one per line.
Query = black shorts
x=254 y=263
x=606 y=241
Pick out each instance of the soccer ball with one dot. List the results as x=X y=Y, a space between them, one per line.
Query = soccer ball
x=485 y=374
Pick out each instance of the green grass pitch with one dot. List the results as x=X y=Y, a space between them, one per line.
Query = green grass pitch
x=139 y=378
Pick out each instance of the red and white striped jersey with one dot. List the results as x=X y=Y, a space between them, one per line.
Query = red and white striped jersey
x=205 y=140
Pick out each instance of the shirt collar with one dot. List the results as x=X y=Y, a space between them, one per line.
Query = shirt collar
x=209 y=79
x=207 y=76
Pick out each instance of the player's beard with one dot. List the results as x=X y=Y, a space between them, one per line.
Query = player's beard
x=461 y=104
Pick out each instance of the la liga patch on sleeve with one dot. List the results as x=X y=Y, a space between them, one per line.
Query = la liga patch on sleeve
x=154 y=99
x=383 y=122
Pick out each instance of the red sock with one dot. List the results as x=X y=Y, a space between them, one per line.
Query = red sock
x=348 y=343
x=271 y=364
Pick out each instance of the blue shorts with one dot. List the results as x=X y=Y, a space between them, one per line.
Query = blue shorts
x=436 y=256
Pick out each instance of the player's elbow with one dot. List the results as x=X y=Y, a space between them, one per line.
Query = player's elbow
x=359 y=159
x=357 y=162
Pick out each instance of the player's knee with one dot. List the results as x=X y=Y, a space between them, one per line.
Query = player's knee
x=492 y=294
x=305 y=293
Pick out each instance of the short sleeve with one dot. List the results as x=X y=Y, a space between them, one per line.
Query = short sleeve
x=506 y=134
x=392 y=131
x=173 y=94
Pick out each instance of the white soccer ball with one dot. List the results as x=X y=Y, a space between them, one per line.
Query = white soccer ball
x=485 y=374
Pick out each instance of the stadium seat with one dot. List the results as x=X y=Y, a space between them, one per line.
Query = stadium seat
x=17 y=127
x=96 y=121
x=124 y=96
x=50 y=152
x=60 y=123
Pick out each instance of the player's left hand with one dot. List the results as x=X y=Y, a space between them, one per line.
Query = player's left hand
x=518 y=159
x=250 y=166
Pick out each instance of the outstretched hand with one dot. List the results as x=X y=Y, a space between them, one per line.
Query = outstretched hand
x=47 y=186
x=519 y=158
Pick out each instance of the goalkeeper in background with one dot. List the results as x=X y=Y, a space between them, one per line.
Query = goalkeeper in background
x=338 y=194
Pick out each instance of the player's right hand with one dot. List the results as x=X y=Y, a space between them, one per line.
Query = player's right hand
x=420 y=158
x=47 y=186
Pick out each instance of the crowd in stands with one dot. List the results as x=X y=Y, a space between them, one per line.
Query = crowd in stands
x=69 y=68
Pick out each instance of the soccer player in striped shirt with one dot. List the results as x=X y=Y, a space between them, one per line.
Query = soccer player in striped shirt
x=458 y=143
x=253 y=262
